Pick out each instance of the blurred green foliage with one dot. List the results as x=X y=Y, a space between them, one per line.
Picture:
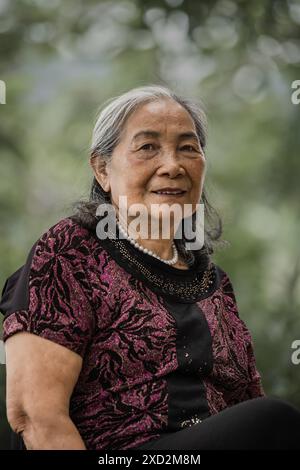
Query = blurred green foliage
x=61 y=59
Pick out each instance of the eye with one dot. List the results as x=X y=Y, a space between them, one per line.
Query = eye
x=189 y=148
x=147 y=147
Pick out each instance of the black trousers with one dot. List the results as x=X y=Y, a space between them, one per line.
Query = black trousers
x=260 y=423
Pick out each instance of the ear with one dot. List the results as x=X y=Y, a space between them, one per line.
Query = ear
x=100 y=169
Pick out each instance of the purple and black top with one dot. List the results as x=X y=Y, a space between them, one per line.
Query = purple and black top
x=162 y=348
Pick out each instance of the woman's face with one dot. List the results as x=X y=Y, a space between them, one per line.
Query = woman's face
x=158 y=151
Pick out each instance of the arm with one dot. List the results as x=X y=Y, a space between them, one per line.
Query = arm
x=41 y=376
x=255 y=388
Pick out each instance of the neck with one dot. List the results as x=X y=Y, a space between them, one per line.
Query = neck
x=161 y=246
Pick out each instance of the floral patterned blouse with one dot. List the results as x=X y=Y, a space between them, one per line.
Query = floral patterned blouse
x=162 y=348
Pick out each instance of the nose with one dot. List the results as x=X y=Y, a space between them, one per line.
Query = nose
x=170 y=165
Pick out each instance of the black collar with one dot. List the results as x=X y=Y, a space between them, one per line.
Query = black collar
x=182 y=285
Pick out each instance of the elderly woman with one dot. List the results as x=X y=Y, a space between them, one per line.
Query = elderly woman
x=125 y=342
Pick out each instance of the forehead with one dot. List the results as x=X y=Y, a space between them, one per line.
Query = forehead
x=159 y=115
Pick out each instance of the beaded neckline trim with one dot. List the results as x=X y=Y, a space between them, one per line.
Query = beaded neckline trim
x=185 y=286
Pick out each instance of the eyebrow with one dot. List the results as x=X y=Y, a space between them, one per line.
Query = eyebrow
x=150 y=133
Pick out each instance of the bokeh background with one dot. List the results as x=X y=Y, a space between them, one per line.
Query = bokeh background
x=61 y=59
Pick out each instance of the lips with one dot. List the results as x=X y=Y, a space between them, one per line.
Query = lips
x=170 y=191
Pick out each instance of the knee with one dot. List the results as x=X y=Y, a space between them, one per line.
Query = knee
x=277 y=409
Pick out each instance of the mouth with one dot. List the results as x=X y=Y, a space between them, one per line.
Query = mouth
x=170 y=192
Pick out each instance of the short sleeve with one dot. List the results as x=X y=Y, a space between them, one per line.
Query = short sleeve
x=47 y=295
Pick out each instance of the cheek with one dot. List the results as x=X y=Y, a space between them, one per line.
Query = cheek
x=138 y=176
x=197 y=172
x=131 y=183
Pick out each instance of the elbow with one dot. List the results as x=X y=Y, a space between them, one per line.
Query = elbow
x=36 y=427
x=17 y=418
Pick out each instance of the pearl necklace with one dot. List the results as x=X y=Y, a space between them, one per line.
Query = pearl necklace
x=149 y=252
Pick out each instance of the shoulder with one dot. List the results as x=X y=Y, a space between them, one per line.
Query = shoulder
x=226 y=289
x=63 y=238
x=225 y=282
x=60 y=253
